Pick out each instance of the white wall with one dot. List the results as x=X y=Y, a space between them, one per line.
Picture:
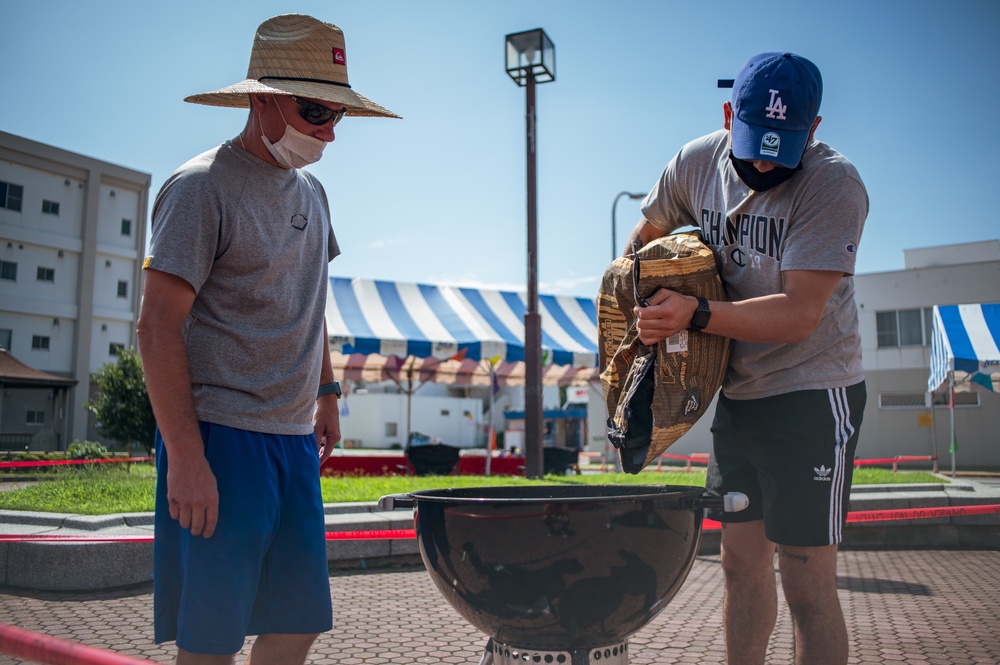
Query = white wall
x=455 y=421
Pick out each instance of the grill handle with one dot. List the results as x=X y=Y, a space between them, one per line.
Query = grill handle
x=733 y=502
x=395 y=501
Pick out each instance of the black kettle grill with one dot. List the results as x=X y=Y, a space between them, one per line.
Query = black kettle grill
x=559 y=573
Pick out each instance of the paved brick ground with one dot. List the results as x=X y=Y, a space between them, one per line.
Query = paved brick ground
x=922 y=607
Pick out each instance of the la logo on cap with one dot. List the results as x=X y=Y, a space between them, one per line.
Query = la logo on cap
x=776 y=109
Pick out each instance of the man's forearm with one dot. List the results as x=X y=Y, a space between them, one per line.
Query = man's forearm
x=168 y=382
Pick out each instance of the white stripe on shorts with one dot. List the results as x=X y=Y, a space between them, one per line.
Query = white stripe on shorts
x=844 y=431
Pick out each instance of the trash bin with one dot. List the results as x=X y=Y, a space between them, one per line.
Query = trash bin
x=559 y=460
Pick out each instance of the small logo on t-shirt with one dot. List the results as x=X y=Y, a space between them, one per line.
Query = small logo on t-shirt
x=851 y=248
x=299 y=222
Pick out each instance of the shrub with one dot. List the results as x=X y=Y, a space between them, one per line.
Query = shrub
x=86 y=450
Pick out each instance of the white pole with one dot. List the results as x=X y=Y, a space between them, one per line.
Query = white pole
x=934 y=448
x=951 y=397
x=491 y=435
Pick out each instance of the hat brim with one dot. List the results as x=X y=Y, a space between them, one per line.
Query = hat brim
x=748 y=143
x=236 y=96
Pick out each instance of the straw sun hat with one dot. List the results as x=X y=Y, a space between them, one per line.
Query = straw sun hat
x=298 y=55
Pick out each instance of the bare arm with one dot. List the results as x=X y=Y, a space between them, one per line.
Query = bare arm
x=326 y=420
x=789 y=316
x=191 y=488
x=643 y=233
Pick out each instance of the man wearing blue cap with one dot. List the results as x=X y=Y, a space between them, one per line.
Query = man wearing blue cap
x=784 y=215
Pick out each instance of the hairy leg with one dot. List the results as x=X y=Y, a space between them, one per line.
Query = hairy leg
x=809 y=582
x=750 y=608
x=280 y=649
x=188 y=658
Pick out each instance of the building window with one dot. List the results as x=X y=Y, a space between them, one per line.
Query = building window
x=122 y=288
x=904 y=327
x=8 y=270
x=114 y=348
x=50 y=207
x=907 y=400
x=126 y=227
x=46 y=274
x=391 y=430
x=961 y=399
x=11 y=196
x=35 y=418
x=6 y=335
x=39 y=343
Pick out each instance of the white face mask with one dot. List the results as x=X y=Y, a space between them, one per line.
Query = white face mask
x=295 y=149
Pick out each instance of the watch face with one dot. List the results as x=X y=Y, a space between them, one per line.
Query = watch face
x=701 y=315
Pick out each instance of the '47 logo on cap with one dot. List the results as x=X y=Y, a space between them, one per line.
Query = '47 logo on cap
x=770 y=144
x=339 y=57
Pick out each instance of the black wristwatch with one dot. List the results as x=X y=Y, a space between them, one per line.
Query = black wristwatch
x=329 y=389
x=701 y=315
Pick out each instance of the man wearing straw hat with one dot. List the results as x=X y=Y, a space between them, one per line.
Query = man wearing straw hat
x=233 y=340
x=783 y=214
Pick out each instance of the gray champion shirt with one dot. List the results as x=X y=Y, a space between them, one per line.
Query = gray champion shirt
x=811 y=222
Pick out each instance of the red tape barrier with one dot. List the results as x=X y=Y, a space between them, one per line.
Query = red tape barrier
x=39 y=648
x=405 y=534
x=894 y=461
x=59 y=462
x=693 y=458
x=382 y=534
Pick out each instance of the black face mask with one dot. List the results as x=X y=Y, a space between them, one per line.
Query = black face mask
x=761 y=182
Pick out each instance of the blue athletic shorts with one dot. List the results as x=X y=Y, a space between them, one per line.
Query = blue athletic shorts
x=793 y=456
x=264 y=570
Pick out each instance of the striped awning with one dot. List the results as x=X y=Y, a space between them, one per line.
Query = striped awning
x=374 y=368
x=966 y=340
x=427 y=321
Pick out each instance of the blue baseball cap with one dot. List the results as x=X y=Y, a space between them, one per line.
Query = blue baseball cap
x=776 y=98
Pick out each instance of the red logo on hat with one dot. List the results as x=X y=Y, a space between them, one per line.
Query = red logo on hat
x=339 y=57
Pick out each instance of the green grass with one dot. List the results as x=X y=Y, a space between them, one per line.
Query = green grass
x=104 y=491
x=84 y=491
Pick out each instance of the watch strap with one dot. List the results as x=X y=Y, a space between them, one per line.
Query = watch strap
x=701 y=316
x=329 y=389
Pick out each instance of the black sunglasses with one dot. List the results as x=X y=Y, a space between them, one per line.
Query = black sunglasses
x=317 y=114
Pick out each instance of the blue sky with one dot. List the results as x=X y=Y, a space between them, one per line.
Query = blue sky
x=911 y=95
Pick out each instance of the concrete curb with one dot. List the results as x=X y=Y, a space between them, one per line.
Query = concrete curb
x=55 y=566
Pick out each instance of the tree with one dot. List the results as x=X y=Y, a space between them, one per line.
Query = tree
x=122 y=404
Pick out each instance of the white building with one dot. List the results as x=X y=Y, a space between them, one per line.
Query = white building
x=895 y=310
x=72 y=238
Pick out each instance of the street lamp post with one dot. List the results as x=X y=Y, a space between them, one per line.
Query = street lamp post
x=530 y=59
x=614 y=229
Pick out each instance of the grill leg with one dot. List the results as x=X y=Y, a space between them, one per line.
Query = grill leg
x=487 y=658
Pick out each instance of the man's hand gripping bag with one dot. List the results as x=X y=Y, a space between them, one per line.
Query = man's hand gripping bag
x=656 y=394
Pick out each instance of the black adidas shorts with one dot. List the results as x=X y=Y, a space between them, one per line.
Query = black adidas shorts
x=793 y=456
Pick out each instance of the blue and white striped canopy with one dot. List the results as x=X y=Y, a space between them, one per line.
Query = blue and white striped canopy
x=422 y=320
x=966 y=341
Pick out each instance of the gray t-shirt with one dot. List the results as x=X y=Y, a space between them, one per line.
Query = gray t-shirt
x=811 y=222
x=254 y=241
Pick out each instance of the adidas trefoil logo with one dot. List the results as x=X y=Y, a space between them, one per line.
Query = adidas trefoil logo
x=822 y=473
